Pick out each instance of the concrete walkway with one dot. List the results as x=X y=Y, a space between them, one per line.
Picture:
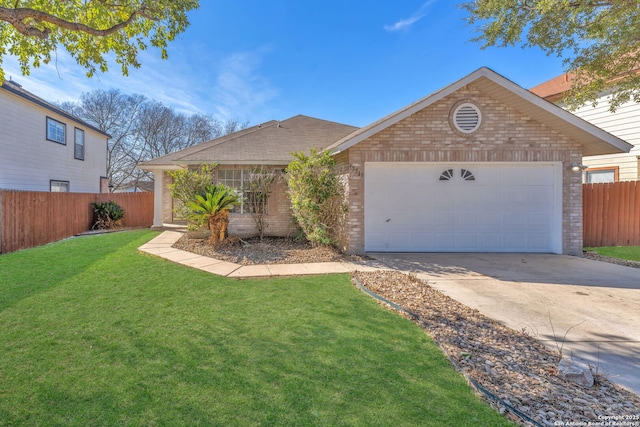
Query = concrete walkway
x=161 y=247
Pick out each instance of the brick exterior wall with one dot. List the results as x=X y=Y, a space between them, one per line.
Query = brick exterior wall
x=505 y=135
x=279 y=219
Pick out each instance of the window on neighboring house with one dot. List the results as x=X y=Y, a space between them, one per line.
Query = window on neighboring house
x=59 y=186
x=56 y=131
x=238 y=179
x=600 y=175
x=78 y=147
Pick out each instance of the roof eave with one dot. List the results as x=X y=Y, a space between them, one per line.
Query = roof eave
x=238 y=162
x=183 y=164
x=161 y=167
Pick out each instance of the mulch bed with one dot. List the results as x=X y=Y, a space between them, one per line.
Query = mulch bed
x=270 y=250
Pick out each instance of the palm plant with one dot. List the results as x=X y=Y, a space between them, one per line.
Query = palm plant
x=107 y=215
x=212 y=206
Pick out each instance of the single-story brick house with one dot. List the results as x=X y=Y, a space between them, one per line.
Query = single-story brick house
x=481 y=165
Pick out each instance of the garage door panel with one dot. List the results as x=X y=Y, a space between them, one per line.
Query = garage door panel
x=467 y=219
x=508 y=207
x=539 y=219
x=538 y=243
x=538 y=195
x=516 y=240
x=515 y=196
x=440 y=218
x=490 y=219
x=513 y=219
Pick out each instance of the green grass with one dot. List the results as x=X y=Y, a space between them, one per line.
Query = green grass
x=94 y=333
x=631 y=253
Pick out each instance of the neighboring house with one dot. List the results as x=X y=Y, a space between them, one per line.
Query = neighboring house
x=623 y=123
x=44 y=148
x=482 y=165
x=135 y=187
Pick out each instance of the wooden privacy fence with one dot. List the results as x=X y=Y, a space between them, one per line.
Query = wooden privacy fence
x=611 y=214
x=29 y=219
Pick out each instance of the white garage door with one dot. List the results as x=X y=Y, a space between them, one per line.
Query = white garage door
x=476 y=207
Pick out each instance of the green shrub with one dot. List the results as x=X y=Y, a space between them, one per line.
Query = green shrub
x=187 y=184
x=317 y=196
x=107 y=215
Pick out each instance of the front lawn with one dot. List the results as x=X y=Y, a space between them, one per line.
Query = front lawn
x=94 y=333
x=630 y=253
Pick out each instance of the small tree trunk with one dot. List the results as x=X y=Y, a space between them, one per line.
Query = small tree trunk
x=218 y=224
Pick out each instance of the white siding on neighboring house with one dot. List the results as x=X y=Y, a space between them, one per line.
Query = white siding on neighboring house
x=29 y=161
x=625 y=124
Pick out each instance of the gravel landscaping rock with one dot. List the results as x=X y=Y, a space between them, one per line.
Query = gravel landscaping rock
x=520 y=372
x=598 y=257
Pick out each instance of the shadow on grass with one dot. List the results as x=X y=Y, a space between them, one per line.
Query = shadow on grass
x=31 y=271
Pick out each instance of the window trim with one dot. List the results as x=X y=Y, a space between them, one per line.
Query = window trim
x=615 y=169
x=52 y=181
x=75 y=143
x=64 y=131
x=240 y=209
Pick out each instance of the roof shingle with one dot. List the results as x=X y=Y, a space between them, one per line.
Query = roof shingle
x=268 y=143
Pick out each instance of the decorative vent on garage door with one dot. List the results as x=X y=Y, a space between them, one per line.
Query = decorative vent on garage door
x=467 y=175
x=467 y=118
x=446 y=175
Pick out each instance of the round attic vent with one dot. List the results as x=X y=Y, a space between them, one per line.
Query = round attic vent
x=467 y=118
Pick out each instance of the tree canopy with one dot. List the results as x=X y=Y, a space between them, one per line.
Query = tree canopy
x=32 y=30
x=598 y=40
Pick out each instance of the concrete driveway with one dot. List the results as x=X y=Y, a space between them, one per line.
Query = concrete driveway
x=595 y=304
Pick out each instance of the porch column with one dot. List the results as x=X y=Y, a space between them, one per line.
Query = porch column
x=158 y=193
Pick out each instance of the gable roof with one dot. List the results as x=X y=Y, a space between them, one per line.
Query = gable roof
x=594 y=140
x=269 y=143
x=16 y=89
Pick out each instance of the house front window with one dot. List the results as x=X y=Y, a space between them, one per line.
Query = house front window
x=600 y=175
x=56 y=131
x=78 y=146
x=238 y=179
x=56 y=186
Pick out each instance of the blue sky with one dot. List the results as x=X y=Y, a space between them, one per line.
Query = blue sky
x=348 y=61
